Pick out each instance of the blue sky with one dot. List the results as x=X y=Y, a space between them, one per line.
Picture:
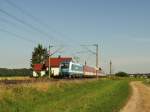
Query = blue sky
x=120 y=27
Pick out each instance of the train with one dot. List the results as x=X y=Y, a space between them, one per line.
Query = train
x=65 y=67
x=71 y=69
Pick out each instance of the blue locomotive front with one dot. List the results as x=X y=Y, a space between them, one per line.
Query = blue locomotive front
x=70 y=69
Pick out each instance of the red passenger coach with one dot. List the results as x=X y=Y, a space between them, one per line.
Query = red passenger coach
x=89 y=71
x=92 y=72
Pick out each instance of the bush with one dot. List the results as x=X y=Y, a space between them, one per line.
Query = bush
x=4 y=72
x=122 y=74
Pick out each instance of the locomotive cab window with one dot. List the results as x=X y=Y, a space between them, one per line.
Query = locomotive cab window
x=76 y=67
x=64 y=65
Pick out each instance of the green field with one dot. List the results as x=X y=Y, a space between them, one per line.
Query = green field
x=72 y=96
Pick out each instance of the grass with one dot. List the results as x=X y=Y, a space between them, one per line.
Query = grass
x=147 y=81
x=15 y=78
x=72 y=96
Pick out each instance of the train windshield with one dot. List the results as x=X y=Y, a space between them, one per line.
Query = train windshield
x=76 y=67
x=64 y=65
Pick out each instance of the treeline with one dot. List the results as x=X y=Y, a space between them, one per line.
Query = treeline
x=4 y=72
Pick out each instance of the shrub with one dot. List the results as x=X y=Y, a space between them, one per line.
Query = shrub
x=122 y=74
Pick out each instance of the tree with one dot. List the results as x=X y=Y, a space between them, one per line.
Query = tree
x=39 y=55
x=4 y=72
x=121 y=74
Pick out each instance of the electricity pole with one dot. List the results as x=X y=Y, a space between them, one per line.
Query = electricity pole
x=97 y=58
x=49 y=62
x=110 y=72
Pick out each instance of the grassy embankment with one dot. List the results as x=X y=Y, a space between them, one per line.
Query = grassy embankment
x=75 y=96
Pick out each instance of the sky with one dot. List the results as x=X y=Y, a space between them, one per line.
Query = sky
x=120 y=27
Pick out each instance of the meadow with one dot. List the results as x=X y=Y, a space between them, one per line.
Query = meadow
x=102 y=95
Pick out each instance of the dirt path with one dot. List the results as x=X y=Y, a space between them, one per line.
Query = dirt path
x=140 y=99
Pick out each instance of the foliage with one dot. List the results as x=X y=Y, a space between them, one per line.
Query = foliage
x=92 y=96
x=15 y=72
x=122 y=74
x=39 y=55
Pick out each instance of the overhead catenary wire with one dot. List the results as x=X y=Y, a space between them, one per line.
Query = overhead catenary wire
x=12 y=24
x=22 y=10
x=21 y=37
x=26 y=13
x=26 y=24
x=37 y=20
x=89 y=50
x=7 y=21
x=17 y=36
x=56 y=51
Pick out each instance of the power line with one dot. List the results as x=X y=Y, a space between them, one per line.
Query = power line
x=17 y=36
x=89 y=50
x=6 y=21
x=35 y=19
x=25 y=23
x=29 y=15
x=12 y=23
x=25 y=12
x=21 y=10
x=95 y=53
